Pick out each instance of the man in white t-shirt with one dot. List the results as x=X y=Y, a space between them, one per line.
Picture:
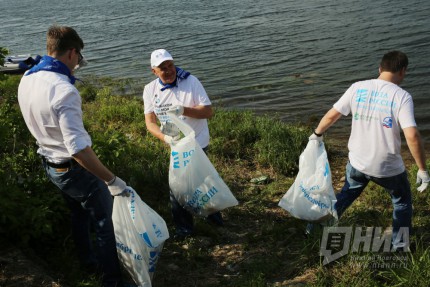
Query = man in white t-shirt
x=179 y=91
x=380 y=109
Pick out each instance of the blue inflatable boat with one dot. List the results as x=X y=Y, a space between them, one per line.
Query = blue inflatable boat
x=19 y=64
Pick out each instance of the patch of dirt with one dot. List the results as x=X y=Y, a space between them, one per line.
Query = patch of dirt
x=18 y=270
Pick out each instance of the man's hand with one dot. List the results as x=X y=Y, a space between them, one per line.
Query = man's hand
x=171 y=140
x=316 y=138
x=117 y=186
x=423 y=178
x=176 y=110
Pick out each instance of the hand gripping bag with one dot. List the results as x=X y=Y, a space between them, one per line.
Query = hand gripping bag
x=140 y=234
x=193 y=179
x=311 y=197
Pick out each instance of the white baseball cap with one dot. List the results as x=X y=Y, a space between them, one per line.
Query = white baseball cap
x=159 y=56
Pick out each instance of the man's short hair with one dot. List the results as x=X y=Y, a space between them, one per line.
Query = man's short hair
x=62 y=38
x=394 y=62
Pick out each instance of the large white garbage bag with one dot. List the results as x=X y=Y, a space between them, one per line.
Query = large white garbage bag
x=193 y=179
x=140 y=234
x=311 y=197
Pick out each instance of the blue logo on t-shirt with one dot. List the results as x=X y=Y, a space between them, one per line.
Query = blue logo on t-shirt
x=387 y=122
x=361 y=96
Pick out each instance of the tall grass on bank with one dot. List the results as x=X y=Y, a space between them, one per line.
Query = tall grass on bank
x=265 y=140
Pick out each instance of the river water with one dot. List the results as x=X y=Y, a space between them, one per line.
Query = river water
x=292 y=59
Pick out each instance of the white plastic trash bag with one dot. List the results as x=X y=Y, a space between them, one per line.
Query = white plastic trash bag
x=140 y=233
x=193 y=179
x=311 y=197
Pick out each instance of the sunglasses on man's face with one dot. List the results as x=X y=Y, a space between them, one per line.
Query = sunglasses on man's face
x=80 y=57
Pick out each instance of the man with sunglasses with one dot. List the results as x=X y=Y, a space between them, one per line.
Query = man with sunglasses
x=51 y=107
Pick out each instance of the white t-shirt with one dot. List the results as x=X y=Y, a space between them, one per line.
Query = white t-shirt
x=379 y=110
x=189 y=92
x=51 y=107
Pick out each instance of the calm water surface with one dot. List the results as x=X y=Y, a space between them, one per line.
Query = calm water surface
x=289 y=58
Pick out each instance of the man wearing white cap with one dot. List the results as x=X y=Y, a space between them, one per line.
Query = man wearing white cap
x=179 y=91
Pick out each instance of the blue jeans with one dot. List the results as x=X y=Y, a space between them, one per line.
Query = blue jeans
x=183 y=219
x=91 y=205
x=397 y=186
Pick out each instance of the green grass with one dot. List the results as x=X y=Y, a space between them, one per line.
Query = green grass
x=261 y=245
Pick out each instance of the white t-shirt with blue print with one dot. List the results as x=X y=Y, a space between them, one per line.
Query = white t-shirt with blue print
x=189 y=92
x=379 y=110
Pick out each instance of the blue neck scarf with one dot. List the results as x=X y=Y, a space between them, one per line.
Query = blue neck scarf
x=180 y=75
x=50 y=64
